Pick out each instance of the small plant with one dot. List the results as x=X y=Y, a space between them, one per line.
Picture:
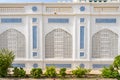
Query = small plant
x=79 y=72
x=19 y=72
x=63 y=72
x=116 y=62
x=110 y=72
x=16 y=72
x=6 y=59
x=22 y=72
x=50 y=72
x=36 y=72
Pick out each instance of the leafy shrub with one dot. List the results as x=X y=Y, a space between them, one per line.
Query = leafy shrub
x=19 y=72
x=22 y=72
x=50 y=72
x=116 y=62
x=63 y=72
x=110 y=72
x=16 y=72
x=6 y=59
x=36 y=72
x=79 y=72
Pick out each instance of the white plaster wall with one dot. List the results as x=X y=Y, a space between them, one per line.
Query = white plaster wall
x=39 y=36
x=86 y=24
x=73 y=28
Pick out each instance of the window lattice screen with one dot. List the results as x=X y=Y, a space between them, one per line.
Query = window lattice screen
x=58 y=44
x=105 y=44
x=13 y=40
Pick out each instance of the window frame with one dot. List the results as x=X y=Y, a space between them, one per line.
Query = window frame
x=35 y=37
x=34 y=20
x=100 y=65
x=106 y=20
x=11 y=20
x=82 y=65
x=82 y=20
x=34 y=8
x=21 y=65
x=82 y=37
x=58 y=20
x=35 y=65
x=34 y=54
x=82 y=8
x=82 y=55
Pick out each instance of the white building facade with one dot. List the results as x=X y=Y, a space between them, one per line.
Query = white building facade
x=79 y=33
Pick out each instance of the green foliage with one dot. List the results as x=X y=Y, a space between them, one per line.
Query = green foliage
x=16 y=72
x=63 y=72
x=50 y=72
x=110 y=72
x=36 y=72
x=19 y=72
x=6 y=59
x=79 y=72
x=116 y=62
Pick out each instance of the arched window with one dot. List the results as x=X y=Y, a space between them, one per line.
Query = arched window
x=104 y=44
x=58 y=44
x=15 y=41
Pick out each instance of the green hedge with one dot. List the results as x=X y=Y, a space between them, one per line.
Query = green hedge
x=19 y=72
x=36 y=72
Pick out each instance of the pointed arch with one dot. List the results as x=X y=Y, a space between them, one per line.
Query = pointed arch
x=104 y=44
x=15 y=41
x=58 y=44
